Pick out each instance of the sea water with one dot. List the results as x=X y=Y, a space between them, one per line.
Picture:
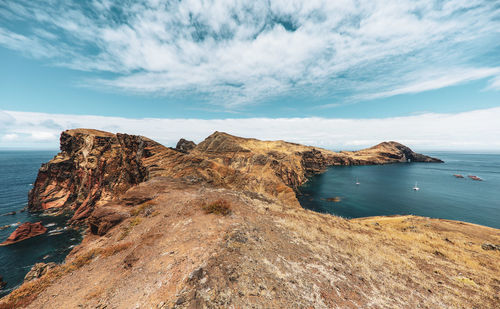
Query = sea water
x=388 y=189
x=18 y=171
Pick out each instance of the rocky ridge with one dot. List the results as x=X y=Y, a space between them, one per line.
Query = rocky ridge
x=152 y=244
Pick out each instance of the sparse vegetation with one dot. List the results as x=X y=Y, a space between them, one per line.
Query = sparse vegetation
x=115 y=249
x=145 y=209
x=127 y=228
x=219 y=207
x=27 y=292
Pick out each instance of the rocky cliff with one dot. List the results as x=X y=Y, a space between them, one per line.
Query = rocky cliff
x=93 y=166
x=219 y=226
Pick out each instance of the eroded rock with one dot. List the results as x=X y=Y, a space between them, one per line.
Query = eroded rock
x=185 y=146
x=25 y=231
x=104 y=218
x=92 y=166
x=38 y=270
x=488 y=246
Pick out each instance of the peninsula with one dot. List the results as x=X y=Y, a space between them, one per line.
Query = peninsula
x=218 y=225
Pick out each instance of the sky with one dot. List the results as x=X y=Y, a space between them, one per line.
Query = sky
x=335 y=74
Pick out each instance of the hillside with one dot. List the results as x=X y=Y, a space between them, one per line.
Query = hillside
x=160 y=236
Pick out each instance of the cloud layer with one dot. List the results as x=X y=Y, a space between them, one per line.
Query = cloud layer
x=242 y=52
x=472 y=131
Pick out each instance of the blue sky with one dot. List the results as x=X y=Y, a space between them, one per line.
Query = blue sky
x=260 y=60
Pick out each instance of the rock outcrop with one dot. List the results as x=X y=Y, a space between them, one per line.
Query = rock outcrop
x=38 y=270
x=93 y=166
x=96 y=168
x=104 y=218
x=185 y=146
x=25 y=231
x=389 y=152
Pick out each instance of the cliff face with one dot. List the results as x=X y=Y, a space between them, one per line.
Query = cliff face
x=92 y=166
x=164 y=248
x=96 y=167
x=293 y=163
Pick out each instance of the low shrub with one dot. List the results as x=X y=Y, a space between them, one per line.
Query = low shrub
x=219 y=207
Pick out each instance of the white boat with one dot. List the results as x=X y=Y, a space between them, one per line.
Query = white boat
x=416 y=188
x=357 y=181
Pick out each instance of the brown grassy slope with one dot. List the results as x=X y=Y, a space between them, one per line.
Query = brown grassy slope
x=171 y=253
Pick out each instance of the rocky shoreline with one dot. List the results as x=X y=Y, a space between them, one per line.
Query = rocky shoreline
x=149 y=226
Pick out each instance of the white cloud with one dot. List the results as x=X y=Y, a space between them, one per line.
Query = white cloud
x=440 y=79
x=44 y=136
x=242 y=52
x=10 y=137
x=473 y=131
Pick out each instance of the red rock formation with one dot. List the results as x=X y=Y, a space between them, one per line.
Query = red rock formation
x=92 y=166
x=25 y=231
x=96 y=169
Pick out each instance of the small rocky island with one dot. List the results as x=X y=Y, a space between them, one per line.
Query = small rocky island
x=218 y=224
x=25 y=231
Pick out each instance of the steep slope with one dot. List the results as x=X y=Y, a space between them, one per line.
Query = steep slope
x=155 y=244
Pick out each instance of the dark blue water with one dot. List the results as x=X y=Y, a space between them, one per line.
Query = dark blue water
x=18 y=170
x=387 y=189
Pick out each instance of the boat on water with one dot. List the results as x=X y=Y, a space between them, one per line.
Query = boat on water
x=357 y=181
x=416 y=188
x=474 y=177
x=458 y=176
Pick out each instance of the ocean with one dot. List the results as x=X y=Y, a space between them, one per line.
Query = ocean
x=388 y=189
x=18 y=171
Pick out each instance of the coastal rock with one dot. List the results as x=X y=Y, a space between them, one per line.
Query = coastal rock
x=185 y=146
x=38 y=270
x=2 y=283
x=96 y=167
x=92 y=166
x=389 y=152
x=104 y=218
x=25 y=231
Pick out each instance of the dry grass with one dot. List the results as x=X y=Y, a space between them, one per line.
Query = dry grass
x=145 y=209
x=127 y=228
x=27 y=292
x=106 y=252
x=219 y=207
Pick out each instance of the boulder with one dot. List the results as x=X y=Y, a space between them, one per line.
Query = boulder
x=38 y=270
x=488 y=246
x=25 y=231
x=104 y=218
